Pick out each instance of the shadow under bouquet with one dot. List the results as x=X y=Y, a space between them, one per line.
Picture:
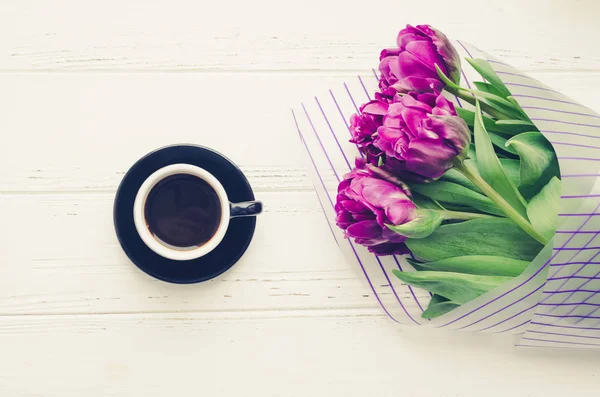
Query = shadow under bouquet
x=453 y=187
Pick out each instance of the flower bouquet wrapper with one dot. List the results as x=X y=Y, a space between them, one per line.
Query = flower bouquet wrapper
x=555 y=301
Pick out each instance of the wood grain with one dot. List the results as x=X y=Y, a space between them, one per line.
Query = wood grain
x=269 y=35
x=347 y=354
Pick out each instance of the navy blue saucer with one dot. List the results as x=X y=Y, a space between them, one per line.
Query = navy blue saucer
x=226 y=254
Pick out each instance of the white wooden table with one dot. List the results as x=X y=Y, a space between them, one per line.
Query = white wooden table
x=86 y=88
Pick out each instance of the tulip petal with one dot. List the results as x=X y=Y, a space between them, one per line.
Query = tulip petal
x=344 y=219
x=395 y=67
x=364 y=230
x=375 y=107
x=426 y=52
x=385 y=69
x=400 y=213
x=414 y=120
x=369 y=216
x=390 y=134
x=429 y=157
x=343 y=185
x=444 y=107
x=353 y=206
x=338 y=202
x=380 y=217
x=383 y=195
x=429 y=98
x=445 y=49
x=408 y=34
x=410 y=65
x=386 y=52
x=368 y=242
x=373 y=191
x=407 y=38
x=418 y=104
x=418 y=84
x=453 y=129
x=384 y=146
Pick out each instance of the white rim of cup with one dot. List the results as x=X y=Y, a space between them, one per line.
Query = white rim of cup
x=163 y=249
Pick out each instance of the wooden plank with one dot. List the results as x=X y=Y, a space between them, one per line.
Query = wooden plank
x=335 y=353
x=60 y=255
x=77 y=126
x=311 y=35
x=80 y=133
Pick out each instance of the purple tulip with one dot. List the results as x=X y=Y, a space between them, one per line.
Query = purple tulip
x=424 y=133
x=365 y=204
x=365 y=124
x=411 y=66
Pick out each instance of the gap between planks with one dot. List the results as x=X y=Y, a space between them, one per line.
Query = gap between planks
x=224 y=314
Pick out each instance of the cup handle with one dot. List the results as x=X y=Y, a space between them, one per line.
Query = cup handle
x=245 y=208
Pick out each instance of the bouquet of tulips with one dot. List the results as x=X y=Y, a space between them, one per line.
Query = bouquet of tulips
x=470 y=194
x=466 y=192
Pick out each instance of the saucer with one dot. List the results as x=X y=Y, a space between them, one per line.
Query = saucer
x=237 y=238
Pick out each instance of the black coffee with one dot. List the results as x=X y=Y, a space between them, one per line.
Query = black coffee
x=183 y=210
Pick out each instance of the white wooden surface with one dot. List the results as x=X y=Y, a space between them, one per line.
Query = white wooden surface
x=89 y=87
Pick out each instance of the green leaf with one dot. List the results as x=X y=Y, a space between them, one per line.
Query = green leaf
x=417 y=266
x=500 y=142
x=454 y=176
x=494 y=103
x=512 y=100
x=511 y=167
x=425 y=202
x=513 y=170
x=459 y=288
x=503 y=105
x=438 y=305
x=469 y=117
x=471 y=154
x=435 y=299
x=447 y=80
x=487 y=237
x=513 y=127
x=476 y=264
x=460 y=208
x=422 y=226
x=538 y=161
x=543 y=208
x=515 y=123
x=454 y=193
x=487 y=87
x=439 y=309
x=491 y=169
x=507 y=127
x=486 y=71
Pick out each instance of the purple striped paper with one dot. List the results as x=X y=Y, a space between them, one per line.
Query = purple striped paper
x=556 y=301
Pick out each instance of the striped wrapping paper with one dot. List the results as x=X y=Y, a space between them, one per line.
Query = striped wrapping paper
x=556 y=301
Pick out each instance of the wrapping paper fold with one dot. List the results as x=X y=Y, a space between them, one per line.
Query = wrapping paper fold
x=556 y=301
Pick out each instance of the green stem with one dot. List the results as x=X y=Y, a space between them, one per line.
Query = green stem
x=463 y=216
x=470 y=98
x=489 y=191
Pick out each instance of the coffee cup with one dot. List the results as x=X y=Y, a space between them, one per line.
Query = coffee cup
x=182 y=212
